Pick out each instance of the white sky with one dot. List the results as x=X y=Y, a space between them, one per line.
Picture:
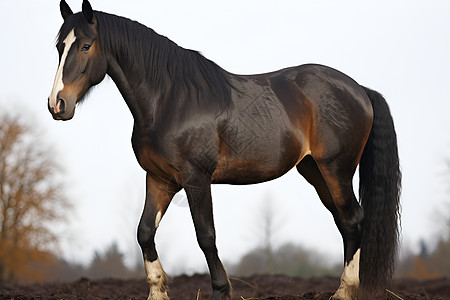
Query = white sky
x=400 y=48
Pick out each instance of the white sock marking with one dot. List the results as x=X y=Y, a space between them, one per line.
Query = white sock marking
x=349 y=279
x=58 y=84
x=351 y=271
x=157 y=279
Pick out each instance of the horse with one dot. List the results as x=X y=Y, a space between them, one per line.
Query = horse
x=196 y=124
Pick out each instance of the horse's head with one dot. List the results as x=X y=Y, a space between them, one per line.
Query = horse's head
x=81 y=63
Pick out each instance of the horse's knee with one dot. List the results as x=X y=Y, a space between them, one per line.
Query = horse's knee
x=206 y=240
x=145 y=235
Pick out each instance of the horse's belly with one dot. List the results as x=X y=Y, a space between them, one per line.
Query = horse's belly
x=247 y=172
x=262 y=161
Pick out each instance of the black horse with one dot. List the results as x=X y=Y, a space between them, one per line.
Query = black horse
x=196 y=124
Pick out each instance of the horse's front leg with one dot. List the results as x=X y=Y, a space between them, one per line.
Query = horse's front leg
x=198 y=190
x=159 y=195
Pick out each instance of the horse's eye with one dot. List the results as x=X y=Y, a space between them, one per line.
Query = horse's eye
x=86 y=47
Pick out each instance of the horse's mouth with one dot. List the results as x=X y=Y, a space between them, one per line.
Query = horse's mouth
x=60 y=113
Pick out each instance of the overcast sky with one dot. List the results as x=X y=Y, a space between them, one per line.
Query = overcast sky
x=400 y=48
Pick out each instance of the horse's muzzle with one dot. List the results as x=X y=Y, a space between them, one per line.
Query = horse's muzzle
x=59 y=111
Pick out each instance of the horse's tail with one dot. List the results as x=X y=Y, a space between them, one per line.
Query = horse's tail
x=379 y=191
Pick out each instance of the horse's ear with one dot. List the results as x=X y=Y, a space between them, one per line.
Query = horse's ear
x=87 y=11
x=65 y=9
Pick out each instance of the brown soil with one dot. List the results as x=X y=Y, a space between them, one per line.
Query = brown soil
x=197 y=287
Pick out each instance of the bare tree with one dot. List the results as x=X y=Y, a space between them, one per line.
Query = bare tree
x=269 y=231
x=31 y=201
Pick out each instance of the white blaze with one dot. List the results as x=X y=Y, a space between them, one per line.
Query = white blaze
x=58 y=84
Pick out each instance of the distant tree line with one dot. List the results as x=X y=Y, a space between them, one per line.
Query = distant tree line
x=432 y=260
x=289 y=259
x=107 y=264
x=427 y=264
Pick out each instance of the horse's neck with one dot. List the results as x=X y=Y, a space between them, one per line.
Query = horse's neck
x=177 y=74
x=140 y=105
x=128 y=66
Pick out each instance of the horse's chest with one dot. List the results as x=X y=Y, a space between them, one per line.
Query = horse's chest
x=151 y=160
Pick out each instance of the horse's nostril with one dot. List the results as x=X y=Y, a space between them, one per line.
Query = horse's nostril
x=60 y=106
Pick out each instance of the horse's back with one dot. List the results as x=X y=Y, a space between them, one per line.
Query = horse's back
x=280 y=117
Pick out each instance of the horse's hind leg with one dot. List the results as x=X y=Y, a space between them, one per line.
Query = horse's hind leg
x=334 y=186
x=157 y=200
x=309 y=169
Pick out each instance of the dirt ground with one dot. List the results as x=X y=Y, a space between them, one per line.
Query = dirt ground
x=197 y=287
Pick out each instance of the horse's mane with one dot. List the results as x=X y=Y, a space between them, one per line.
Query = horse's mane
x=179 y=74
